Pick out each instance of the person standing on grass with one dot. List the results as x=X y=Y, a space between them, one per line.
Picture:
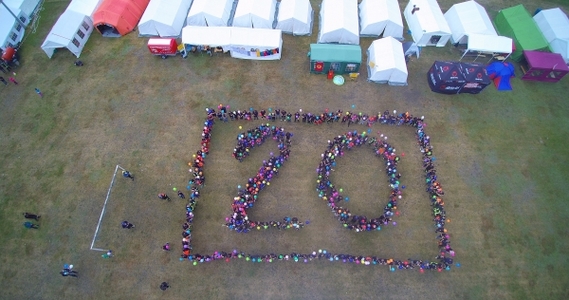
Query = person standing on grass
x=164 y=286
x=127 y=174
x=13 y=80
x=3 y=80
x=163 y=196
x=30 y=225
x=39 y=92
x=127 y=225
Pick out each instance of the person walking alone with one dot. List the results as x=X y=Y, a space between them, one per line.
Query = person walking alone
x=39 y=92
x=13 y=80
x=127 y=174
x=30 y=225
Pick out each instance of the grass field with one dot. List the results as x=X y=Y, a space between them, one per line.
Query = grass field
x=501 y=157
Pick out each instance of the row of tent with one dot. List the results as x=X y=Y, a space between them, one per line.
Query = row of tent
x=166 y=18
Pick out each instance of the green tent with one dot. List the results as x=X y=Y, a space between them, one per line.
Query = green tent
x=516 y=22
x=341 y=59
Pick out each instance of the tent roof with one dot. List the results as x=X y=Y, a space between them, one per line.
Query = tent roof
x=388 y=54
x=546 y=60
x=553 y=23
x=335 y=53
x=203 y=35
x=339 y=22
x=7 y=22
x=86 y=7
x=468 y=17
x=64 y=31
x=26 y=6
x=164 y=17
x=375 y=14
x=295 y=16
x=429 y=16
x=489 y=43
x=517 y=23
x=210 y=12
x=123 y=15
x=255 y=13
x=256 y=37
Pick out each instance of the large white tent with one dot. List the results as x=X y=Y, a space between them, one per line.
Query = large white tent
x=427 y=24
x=386 y=62
x=210 y=13
x=28 y=7
x=381 y=16
x=255 y=13
x=164 y=18
x=71 y=31
x=295 y=17
x=215 y=36
x=466 y=18
x=554 y=25
x=73 y=28
x=339 y=22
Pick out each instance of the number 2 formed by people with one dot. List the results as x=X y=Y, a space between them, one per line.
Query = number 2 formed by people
x=248 y=194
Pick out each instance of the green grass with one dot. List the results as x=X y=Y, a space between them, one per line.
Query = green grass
x=501 y=158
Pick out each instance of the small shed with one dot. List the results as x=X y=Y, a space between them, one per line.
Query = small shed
x=515 y=22
x=544 y=66
x=554 y=25
x=341 y=59
x=427 y=23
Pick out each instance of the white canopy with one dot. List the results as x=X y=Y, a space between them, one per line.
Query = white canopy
x=210 y=36
x=492 y=44
x=466 y=18
x=210 y=12
x=255 y=13
x=381 y=16
x=71 y=31
x=86 y=7
x=427 y=24
x=164 y=18
x=554 y=25
x=295 y=17
x=386 y=62
x=339 y=22
x=251 y=43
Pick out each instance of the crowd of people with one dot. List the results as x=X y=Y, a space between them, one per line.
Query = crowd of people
x=332 y=195
x=327 y=190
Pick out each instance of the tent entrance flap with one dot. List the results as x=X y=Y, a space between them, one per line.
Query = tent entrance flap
x=108 y=30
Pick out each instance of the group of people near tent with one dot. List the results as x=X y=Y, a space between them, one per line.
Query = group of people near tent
x=249 y=194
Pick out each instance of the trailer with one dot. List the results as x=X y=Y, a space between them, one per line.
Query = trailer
x=165 y=47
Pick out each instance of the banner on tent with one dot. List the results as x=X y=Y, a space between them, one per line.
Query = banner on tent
x=255 y=52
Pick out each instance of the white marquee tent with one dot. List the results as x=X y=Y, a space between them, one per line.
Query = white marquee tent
x=339 y=22
x=554 y=25
x=28 y=7
x=381 y=16
x=489 y=44
x=215 y=36
x=426 y=22
x=386 y=62
x=466 y=18
x=164 y=18
x=210 y=13
x=71 y=31
x=295 y=17
x=255 y=13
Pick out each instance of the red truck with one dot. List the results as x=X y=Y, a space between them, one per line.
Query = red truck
x=163 y=47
